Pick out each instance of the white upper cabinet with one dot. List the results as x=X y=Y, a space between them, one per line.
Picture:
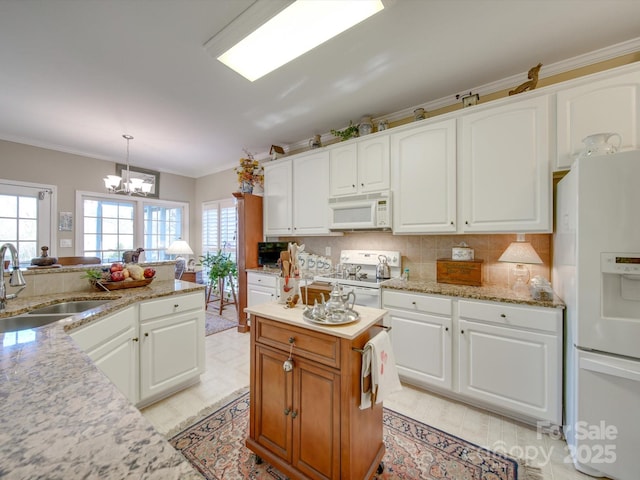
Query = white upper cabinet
x=311 y=194
x=423 y=173
x=506 y=178
x=609 y=105
x=360 y=166
x=296 y=195
x=278 y=198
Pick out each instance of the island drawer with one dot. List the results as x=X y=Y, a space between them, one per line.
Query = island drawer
x=314 y=346
x=171 y=305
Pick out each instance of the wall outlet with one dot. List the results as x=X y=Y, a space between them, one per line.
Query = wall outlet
x=327 y=251
x=66 y=243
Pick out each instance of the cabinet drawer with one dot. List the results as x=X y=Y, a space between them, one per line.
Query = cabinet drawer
x=315 y=346
x=544 y=319
x=416 y=302
x=262 y=280
x=95 y=333
x=171 y=305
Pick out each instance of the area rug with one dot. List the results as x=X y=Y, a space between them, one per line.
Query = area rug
x=215 y=323
x=214 y=445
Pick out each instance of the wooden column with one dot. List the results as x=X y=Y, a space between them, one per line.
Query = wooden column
x=249 y=234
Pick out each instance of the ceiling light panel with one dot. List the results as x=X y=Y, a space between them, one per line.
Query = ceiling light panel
x=300 y=27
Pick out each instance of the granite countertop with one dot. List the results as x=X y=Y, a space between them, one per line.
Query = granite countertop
x=61 y=417
x=489 y=293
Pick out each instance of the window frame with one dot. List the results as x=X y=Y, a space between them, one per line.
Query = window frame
x=47 y=226
x=138 y=224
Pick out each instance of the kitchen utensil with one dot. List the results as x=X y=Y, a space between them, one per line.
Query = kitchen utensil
x=353 y=269
x=383 y=271
x=339 y=302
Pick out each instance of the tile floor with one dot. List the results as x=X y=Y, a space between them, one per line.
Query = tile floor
x=227 y=357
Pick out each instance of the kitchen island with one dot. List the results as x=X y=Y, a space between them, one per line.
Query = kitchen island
x=305 y=416
x=60 y=416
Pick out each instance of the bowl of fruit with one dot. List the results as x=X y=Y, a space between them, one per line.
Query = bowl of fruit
x=120 y=275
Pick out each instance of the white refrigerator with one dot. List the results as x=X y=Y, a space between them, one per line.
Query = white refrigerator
x=596 y=271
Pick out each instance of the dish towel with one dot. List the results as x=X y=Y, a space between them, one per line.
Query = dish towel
x=379 y=363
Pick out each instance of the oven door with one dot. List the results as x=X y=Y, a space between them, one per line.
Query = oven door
x=366 y=297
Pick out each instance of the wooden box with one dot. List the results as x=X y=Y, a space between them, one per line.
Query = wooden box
x=460 y=272
x=315 y=291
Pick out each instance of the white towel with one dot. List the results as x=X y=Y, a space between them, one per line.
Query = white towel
x=378 y=361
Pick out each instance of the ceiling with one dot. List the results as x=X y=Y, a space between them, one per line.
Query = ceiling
x=77 y=74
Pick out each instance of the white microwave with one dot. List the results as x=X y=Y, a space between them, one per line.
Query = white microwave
x=361 y=212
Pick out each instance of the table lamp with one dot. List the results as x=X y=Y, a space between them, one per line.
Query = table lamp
x=520 y=253
x=179 y=248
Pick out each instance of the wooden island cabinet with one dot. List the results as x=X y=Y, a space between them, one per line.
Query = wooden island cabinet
x=306 y=421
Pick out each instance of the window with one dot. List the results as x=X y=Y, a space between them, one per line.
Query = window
x=220 y=227
x=26 y=210
x=113 y=224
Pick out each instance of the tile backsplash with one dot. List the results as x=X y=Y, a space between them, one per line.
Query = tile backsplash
x=420 y=252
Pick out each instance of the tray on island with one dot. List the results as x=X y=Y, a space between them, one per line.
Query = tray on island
x=334 y=319
x=122 y=284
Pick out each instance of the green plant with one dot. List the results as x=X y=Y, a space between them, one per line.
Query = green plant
x=93 y=274
x=350 y=132
x=219 y=266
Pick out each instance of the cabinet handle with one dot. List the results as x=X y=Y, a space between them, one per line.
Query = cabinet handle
x=292 y=339
x=294 y=414
x=287 y=411
x=135 y=339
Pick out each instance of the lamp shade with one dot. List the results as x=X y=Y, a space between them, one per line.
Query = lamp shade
x=179 y=247
x=520 y=252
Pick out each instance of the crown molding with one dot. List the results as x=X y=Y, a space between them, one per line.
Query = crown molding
x=591 y=58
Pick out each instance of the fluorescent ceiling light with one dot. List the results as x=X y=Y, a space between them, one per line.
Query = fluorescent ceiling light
x=300 y=27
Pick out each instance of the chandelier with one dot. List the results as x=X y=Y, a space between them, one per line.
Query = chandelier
x=127 y=185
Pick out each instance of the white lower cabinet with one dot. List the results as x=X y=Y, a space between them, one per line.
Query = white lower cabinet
x=149 y=350
x=112 y=344
x=421 y=337
x=507 y=358
x=261 y=288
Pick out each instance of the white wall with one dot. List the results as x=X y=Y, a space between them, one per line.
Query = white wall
x=74 y=172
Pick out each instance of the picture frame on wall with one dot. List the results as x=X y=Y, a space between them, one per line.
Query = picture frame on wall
x=150 y=176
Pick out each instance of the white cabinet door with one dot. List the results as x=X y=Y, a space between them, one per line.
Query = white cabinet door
x=112 y=344
x=423 y=172
x=506 y=178
x=171 y=352
x=311 y=194
x=344 y=169
x=511 y=368
x=422 y=347
x=278 y=198
x=599 y=106
x=373 y=164
x=360 y=166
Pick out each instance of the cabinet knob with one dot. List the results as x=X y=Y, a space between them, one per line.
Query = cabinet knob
x=446 y=329
x=466 y=222
x=451 y=223
x=353 y=185
x=176 y=305
x=287 y=411
x=292 y=339
x=462 y=332
x=413 y=303
x=146 y=334
x=294 y=414
x=503 y=315
x=362 y=184
x=135 y=339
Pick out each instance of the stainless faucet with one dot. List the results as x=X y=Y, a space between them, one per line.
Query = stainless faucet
x=15 y=279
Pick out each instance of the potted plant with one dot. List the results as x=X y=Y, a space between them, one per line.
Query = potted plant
x=219 y=265
x=350 y=132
